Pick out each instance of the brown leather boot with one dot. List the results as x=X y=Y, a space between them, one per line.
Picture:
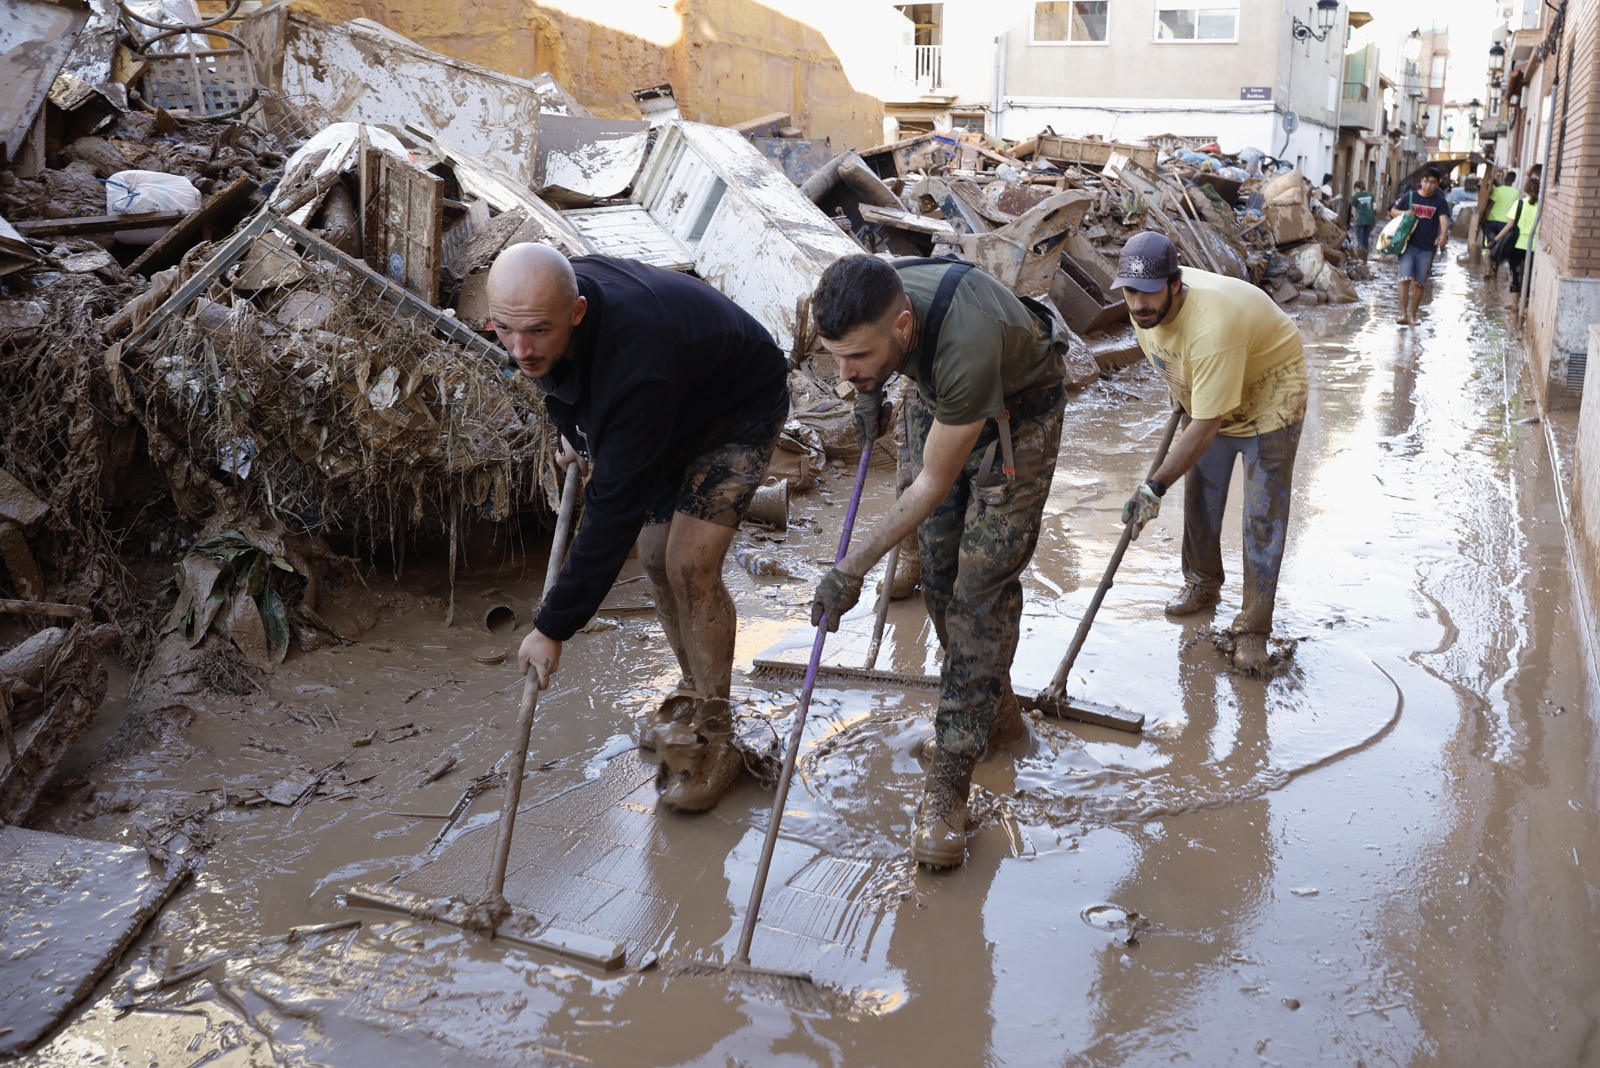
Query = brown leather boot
x=907 y=570
x=699 y=763
x=676 y=707
x=939 y=835
x=1192 y=599
x=1250 y=654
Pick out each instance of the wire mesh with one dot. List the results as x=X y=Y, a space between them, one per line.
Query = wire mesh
x=335 y=400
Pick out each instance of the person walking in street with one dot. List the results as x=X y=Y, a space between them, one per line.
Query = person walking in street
x=984 y=430
x=1502 y=201
x=1429 y=237
x=675 y=396
x=1234 y=362
x=1363 y=216
x=1527 y=216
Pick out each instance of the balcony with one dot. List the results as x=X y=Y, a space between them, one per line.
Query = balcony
x=1360 y=106
x=921 y=65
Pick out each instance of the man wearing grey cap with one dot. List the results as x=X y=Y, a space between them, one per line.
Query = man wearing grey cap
x=1234 y=363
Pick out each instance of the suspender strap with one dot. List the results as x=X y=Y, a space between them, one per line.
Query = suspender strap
x=930 y=329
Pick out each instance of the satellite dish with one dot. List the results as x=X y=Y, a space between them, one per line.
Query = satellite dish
x=1291 y=122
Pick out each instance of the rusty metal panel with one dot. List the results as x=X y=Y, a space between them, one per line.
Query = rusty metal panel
x=35 y=38
x=359 y=71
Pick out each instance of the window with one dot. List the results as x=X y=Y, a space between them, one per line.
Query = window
x=1217 y=21
x=1070 y=22
x=1436 y=72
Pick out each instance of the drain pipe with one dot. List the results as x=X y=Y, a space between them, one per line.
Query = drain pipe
x=998 y=108
x=1544 y=168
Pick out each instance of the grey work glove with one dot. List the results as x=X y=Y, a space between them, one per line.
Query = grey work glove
x=871 y=416
x=836 y=594
x=1143 y=506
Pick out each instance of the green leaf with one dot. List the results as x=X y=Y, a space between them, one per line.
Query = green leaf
x=275 y=620
x=278 y=561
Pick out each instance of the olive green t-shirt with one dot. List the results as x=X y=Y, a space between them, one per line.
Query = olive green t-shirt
x=990 y=347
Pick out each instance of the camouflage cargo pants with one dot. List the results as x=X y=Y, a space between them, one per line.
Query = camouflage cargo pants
x=974 y=548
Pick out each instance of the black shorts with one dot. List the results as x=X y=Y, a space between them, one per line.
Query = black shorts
x=718 y=482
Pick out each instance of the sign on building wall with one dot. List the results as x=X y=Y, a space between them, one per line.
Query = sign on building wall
x=1255 y=92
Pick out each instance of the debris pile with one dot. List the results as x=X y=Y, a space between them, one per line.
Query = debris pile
x=298 y=373
x=1057 y=211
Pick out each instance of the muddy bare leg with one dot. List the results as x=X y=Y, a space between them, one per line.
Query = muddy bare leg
x=653 y=555
x=706 y=621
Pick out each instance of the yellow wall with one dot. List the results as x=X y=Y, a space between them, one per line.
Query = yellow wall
x=728 y=61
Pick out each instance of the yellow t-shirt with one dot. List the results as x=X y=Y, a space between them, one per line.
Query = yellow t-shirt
x=1502 y=202
x=1231 y=352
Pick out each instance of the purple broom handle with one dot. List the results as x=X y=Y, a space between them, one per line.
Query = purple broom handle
x=753 y=910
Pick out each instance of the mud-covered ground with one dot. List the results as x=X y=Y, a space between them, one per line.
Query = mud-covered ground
x=1385 y=855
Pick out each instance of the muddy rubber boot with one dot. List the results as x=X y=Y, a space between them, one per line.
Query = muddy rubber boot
x=1192 y=599
x=907 y=570
x=676 y=707
x=939 y=834
x=1250 y=654
x=699 y=763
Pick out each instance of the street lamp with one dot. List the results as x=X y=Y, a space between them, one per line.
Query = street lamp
x=1327 y=15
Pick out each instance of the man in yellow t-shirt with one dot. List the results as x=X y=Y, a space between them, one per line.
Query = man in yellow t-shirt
x=1233 y=362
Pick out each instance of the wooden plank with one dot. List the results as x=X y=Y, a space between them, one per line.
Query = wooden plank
x=71 y=906
x=221 y=210
x=95 y=224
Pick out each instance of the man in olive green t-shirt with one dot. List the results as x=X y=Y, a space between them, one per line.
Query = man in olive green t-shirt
x=984 y=430
x=1234 y=362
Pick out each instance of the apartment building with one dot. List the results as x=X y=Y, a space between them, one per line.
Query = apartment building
x=1267 y=74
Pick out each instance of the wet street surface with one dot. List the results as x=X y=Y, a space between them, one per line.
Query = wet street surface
x=1386 y=854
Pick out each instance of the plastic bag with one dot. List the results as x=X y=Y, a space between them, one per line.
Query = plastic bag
x=143 y=192
x=1396 y=233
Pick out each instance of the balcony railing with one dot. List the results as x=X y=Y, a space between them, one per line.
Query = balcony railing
x=1357 y=91
x=923 y=65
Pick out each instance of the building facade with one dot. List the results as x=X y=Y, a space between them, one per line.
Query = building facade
x=1230 y=71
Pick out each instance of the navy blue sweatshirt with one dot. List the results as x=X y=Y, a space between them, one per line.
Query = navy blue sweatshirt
x=660 y=357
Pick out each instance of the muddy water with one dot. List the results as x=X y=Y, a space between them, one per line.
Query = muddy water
x=1383 y=856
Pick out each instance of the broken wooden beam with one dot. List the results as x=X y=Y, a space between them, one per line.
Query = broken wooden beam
x=223 y=210
x=86 y=225
x=10 y=606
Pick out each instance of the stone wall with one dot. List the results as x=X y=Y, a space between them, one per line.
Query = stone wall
x=727 y=60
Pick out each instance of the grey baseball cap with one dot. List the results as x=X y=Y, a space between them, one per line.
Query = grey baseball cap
x=1147 y=261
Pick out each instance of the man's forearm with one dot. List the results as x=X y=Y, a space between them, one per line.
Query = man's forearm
x=1187 y=449
x=910 y=509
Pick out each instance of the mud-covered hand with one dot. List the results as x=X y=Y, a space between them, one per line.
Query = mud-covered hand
x=836 y=594
x=1143 y=506
x=871 y=416
x=545 y=652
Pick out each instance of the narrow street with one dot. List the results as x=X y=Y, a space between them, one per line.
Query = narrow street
x=1385 y=855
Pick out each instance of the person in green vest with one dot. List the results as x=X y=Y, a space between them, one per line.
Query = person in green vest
x=1502 y=201
x=1526 y=220
x=1363 y=216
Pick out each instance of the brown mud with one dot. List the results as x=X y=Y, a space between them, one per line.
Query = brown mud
x=1382 y=855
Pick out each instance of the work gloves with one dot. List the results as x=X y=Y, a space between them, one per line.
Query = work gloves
x=836 y=594
x=1144 y=505
x=870 y=416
